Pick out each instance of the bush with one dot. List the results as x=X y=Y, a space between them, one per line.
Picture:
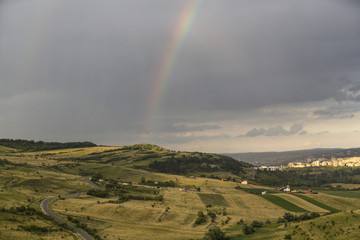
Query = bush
x=212 y=216
x=257 y=224
x=215 y=234
x=201 y=218
x=247 y=229
x=36 y=229
x=98 y=193
x=288 y=237
x=240 y=222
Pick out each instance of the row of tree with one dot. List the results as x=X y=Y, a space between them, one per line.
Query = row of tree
x=205 y=163
x=30 y=145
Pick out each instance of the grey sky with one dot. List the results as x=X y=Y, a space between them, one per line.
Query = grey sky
x=279 y=71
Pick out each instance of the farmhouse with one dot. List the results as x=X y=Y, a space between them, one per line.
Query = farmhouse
x=244 y=182
x=287 y=189
x=310 y=191
x=283 y=188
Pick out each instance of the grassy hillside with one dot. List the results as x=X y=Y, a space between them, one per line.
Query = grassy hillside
x=157 y=203
x=7 y=149
x=154 y=158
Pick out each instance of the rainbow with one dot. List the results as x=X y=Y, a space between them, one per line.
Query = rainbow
x=166 y=65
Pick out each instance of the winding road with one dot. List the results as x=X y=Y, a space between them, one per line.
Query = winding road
x=45 y=208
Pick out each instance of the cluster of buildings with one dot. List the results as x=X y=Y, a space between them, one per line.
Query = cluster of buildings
x=269 y=168
x=287 y=189
x=323 y=162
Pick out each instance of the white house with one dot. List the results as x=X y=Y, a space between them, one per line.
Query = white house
x=287 y=189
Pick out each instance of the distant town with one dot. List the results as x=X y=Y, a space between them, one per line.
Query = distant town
x=324 y=162
x=316 y=162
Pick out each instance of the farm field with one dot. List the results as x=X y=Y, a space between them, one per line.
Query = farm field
x=347 y=194
x=319 y=204
x=281 y=202
x=309 y=206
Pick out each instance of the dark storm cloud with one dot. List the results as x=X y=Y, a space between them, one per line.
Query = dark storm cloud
x=85 y=69
x=289 y=52
x=168 y=127
x=276 y=131
x=186 y=139
x=339 y=111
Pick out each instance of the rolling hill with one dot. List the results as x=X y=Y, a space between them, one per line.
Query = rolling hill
x=144 y=191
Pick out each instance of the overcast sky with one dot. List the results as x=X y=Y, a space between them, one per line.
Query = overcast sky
x=250 y=75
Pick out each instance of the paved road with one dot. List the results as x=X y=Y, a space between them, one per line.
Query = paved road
x=45 y=207
x=92 y=184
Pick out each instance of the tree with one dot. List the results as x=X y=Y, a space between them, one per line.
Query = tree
x=96 y=177
x=215 y=234
x=257 y=224
x=247 y=229
x=201 y=218
x=289 y=217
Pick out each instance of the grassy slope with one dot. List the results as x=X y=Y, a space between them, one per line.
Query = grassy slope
x=7 y=149
x=27 y=186
x=343 y=225
x=51 y=173
x=348 y=194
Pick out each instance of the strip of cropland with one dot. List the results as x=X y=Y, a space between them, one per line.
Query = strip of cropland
x=283 y=203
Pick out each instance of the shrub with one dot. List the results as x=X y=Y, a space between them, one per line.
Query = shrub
x=215 y=233
x=257 y=224
x=247 y=229
x=201 y=218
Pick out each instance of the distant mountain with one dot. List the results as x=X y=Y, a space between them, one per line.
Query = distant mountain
x=278 y=158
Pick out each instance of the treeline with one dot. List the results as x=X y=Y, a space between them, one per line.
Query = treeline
x=157 y=184
x=289 y=217
x=22 y=210
x=30 y=145
x=205 y=163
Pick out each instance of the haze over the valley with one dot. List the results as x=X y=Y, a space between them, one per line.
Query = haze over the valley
x=214 y=76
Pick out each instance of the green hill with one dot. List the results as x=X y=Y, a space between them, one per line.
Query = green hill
x=7 y=149
x=151 y=157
